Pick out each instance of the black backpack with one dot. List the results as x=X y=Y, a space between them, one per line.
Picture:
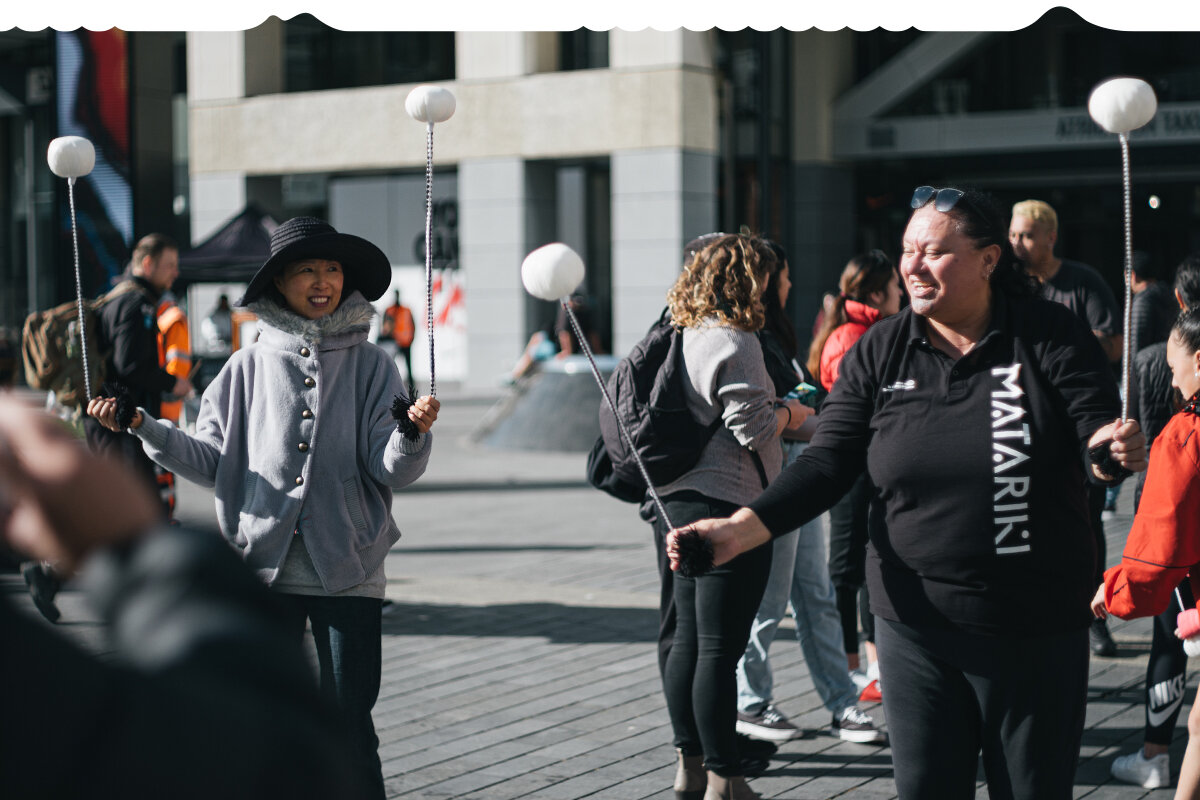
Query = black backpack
x=648 y=391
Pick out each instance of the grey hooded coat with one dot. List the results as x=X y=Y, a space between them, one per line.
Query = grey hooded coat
x=296 y=436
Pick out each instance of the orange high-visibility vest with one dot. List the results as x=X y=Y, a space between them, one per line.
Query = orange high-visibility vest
x=404 y=329
x=174 y=351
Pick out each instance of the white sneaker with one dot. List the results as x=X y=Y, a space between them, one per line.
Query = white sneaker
x=860 y=679
x=1149 y=773
x=769 y=726
x=855 y=725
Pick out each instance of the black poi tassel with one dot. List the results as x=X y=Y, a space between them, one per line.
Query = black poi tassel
x=1101 y=456
x=695 y=553
x=126 y=407
x=400 y=407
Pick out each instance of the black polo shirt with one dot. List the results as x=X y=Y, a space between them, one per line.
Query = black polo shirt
x=979 y=464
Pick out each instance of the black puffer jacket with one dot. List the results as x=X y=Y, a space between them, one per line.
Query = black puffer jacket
x=127 y=326
x=206 y=686
x=1152 y=400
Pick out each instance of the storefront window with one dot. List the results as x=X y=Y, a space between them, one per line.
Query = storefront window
x=318 y=57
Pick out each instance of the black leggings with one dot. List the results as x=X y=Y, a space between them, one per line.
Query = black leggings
x=1166 y=672
x=713 y=615
x=847 y=561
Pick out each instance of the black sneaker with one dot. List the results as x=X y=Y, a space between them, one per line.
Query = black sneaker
x=769 y=725
x=756 y=755
x=43 y=585
x=1100 y=640
x=856 y=725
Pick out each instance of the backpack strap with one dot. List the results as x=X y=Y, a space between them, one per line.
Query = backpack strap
x=758 y=465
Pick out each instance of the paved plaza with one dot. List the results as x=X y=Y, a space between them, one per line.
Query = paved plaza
x=519 y=657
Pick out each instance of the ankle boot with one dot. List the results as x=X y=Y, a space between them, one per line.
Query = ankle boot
x=690 y=778
x=734 y=788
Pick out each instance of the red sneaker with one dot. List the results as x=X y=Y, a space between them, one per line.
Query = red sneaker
x=871 y=694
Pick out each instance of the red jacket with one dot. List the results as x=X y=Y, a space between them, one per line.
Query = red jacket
x=1164 y=542
x=859 y=317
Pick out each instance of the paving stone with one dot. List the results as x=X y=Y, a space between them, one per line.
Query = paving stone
x=519 y=655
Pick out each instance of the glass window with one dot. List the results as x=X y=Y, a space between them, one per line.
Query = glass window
x=583 y=49
x=1053 y=63
x=318 y=57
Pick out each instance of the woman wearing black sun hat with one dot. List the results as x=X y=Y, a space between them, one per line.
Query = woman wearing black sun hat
x=304 y=435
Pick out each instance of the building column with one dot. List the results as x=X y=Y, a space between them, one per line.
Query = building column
x=661 y=199
x=822 y=224
x=225 y=66
x=822 y=216
x=505 y=210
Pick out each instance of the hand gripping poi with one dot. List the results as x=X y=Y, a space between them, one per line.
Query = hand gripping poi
x=1120 y=106
x=72 y=157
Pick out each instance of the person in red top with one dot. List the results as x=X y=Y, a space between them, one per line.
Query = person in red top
x=869 y=290
x=398 y=326
x=1163 y=545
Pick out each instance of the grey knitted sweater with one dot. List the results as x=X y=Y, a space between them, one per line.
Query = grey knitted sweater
x=728 y=378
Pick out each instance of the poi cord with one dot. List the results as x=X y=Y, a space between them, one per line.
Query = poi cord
x=1127 y=344
x=587 y=351
x=87 y=378
x=429 y=251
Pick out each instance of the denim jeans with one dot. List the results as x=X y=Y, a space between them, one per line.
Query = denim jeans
x=799 y=572
x=347 y=632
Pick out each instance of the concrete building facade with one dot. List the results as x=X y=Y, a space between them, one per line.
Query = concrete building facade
x=653 y=137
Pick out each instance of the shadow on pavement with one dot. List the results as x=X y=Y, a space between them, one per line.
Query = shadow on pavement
x=551 y=621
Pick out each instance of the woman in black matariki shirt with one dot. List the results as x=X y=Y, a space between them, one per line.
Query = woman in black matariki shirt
x=973 y=410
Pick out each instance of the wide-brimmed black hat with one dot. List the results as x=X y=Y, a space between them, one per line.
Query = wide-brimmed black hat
x=365 y=266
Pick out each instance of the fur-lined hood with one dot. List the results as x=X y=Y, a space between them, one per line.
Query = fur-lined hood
x=346 y=326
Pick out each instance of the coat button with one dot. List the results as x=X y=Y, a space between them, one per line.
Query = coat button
x=299 y=480
x=303 y=446
x=306 y=414
x=304 y=352
x=309 y=382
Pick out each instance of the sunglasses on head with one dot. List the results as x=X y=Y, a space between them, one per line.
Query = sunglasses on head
x=943 y=199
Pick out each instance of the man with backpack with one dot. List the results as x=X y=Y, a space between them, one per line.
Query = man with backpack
x=127 y=329
x=126 y=337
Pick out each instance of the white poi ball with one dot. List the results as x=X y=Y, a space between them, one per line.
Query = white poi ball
x=71 y=156
x=430 y=104
x=1192 y=646
x=1121 y=105
x=552 y=272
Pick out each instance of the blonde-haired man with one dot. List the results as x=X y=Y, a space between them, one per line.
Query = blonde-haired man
x=1033 y=232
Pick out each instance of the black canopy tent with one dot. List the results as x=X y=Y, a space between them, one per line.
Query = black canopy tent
x=231 y=255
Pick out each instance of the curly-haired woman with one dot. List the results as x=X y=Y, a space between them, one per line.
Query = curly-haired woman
x=980 y=411
x=718 y=303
